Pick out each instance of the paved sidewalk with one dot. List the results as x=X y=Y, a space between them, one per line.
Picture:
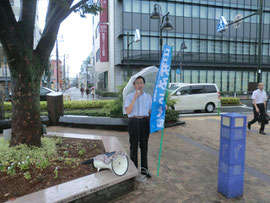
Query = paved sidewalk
x=189 y=164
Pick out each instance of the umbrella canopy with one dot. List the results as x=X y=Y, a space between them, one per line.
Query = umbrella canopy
x=150 y=76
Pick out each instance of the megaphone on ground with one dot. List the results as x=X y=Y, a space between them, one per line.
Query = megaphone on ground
x=117 y=162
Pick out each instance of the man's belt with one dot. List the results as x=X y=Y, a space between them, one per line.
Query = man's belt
x=140 y=117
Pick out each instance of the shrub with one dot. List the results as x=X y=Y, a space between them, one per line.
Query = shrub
x=106 y=94
x=70 y=105
x=7 y=106
x=93 y=112
x=171 y=116
x=116 y=108
x=86 y=104
x=43 y=106
x=229 y=101
x=24 y=153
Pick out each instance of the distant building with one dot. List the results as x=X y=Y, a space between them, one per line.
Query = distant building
x=54 y=74
x=88 y=75
x=228 y=59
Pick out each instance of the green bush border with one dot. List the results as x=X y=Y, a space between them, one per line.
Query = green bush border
x=229 y=101
x=106 y=94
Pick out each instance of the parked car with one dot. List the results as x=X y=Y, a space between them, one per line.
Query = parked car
x=43 y=93
x=195 y=97
x=175 y=85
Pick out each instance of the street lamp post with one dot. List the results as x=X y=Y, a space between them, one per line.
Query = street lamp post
x=137 y=37
x=163 y=25
x=86 y=76
x=180 y=55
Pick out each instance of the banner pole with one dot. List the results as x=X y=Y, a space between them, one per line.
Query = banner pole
x=162 y=131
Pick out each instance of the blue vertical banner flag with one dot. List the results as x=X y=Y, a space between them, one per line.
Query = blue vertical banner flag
x=158 y=109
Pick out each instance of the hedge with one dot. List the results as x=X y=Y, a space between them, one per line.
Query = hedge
x=68 y=105
x=94 y=112
x=106 y=94
x=229 y=101
x=86 y=104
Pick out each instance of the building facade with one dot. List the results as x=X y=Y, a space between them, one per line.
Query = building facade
x=228 y=59
x=54 y=75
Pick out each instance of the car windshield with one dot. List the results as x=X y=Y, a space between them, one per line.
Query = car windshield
x=173 y=88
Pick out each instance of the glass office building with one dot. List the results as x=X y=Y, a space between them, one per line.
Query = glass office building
x=228 y=59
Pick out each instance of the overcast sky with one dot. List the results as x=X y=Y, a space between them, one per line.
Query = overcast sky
x=77 y=38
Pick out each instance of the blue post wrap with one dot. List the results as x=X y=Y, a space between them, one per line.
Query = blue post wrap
x=232 y=155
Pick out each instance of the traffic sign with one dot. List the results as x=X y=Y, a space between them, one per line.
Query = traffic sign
x=222 y=25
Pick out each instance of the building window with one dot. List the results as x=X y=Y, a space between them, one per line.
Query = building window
x=187 y=74
x=210 y=76
x=203 y=12
x=97 y=30
x=202 y=76
x=97 y=55
x=136 y=6
x=187 y=10
x=145 y=7
x=145 y=43
x=179 y=10
x=171 y=8
x=195 y=11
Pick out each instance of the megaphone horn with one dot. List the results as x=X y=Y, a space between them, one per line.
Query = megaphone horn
x=117 y=162
x=120 y=165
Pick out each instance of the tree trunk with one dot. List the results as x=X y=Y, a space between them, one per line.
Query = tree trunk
x=26 y=124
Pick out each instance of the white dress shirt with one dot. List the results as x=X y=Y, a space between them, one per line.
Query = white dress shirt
x=142 y=104
x=259 y=96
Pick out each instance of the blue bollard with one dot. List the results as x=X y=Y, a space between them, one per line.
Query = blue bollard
x=232 y=155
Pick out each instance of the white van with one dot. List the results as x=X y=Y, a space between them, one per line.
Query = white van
x=201 y=96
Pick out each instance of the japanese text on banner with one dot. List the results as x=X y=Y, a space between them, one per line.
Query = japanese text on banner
x=158 y=105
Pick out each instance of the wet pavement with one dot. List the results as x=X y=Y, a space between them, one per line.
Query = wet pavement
x=189 y=163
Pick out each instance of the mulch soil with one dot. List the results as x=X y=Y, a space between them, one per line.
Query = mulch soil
x=12 y=187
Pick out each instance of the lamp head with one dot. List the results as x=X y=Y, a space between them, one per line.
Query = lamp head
x=183 y=46
x=155 y=14
x=167 y=25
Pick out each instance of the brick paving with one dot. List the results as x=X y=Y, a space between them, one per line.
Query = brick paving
x=189 y=164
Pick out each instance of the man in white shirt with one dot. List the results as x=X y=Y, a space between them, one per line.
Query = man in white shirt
x=138 y=107
x=259 y=105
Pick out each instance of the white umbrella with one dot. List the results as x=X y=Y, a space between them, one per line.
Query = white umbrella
x=150 y=76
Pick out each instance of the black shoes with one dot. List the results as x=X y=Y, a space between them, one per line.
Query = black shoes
x=249 y=126
x=146 y=173
x=262 y=132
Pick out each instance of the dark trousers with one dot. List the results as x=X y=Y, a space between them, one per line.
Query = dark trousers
x=259 y=116
x=139 y=130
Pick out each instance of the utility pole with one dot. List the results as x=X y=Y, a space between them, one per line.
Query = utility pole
x=259 y=68
x=6 y=81
x=86 y=76
x=64 y=72
x=57 y=61
x=127 y=55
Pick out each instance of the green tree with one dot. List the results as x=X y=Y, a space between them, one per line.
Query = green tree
x=27 y=64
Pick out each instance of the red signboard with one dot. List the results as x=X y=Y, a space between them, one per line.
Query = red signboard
x=104 y=13
x=103 y=43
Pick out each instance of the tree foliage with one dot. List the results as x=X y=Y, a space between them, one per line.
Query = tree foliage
x=16 y=35
x=27 y=63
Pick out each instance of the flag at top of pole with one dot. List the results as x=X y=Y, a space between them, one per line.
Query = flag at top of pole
x=158 y=109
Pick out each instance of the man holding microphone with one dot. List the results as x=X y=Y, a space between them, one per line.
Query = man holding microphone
x=138 y=107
